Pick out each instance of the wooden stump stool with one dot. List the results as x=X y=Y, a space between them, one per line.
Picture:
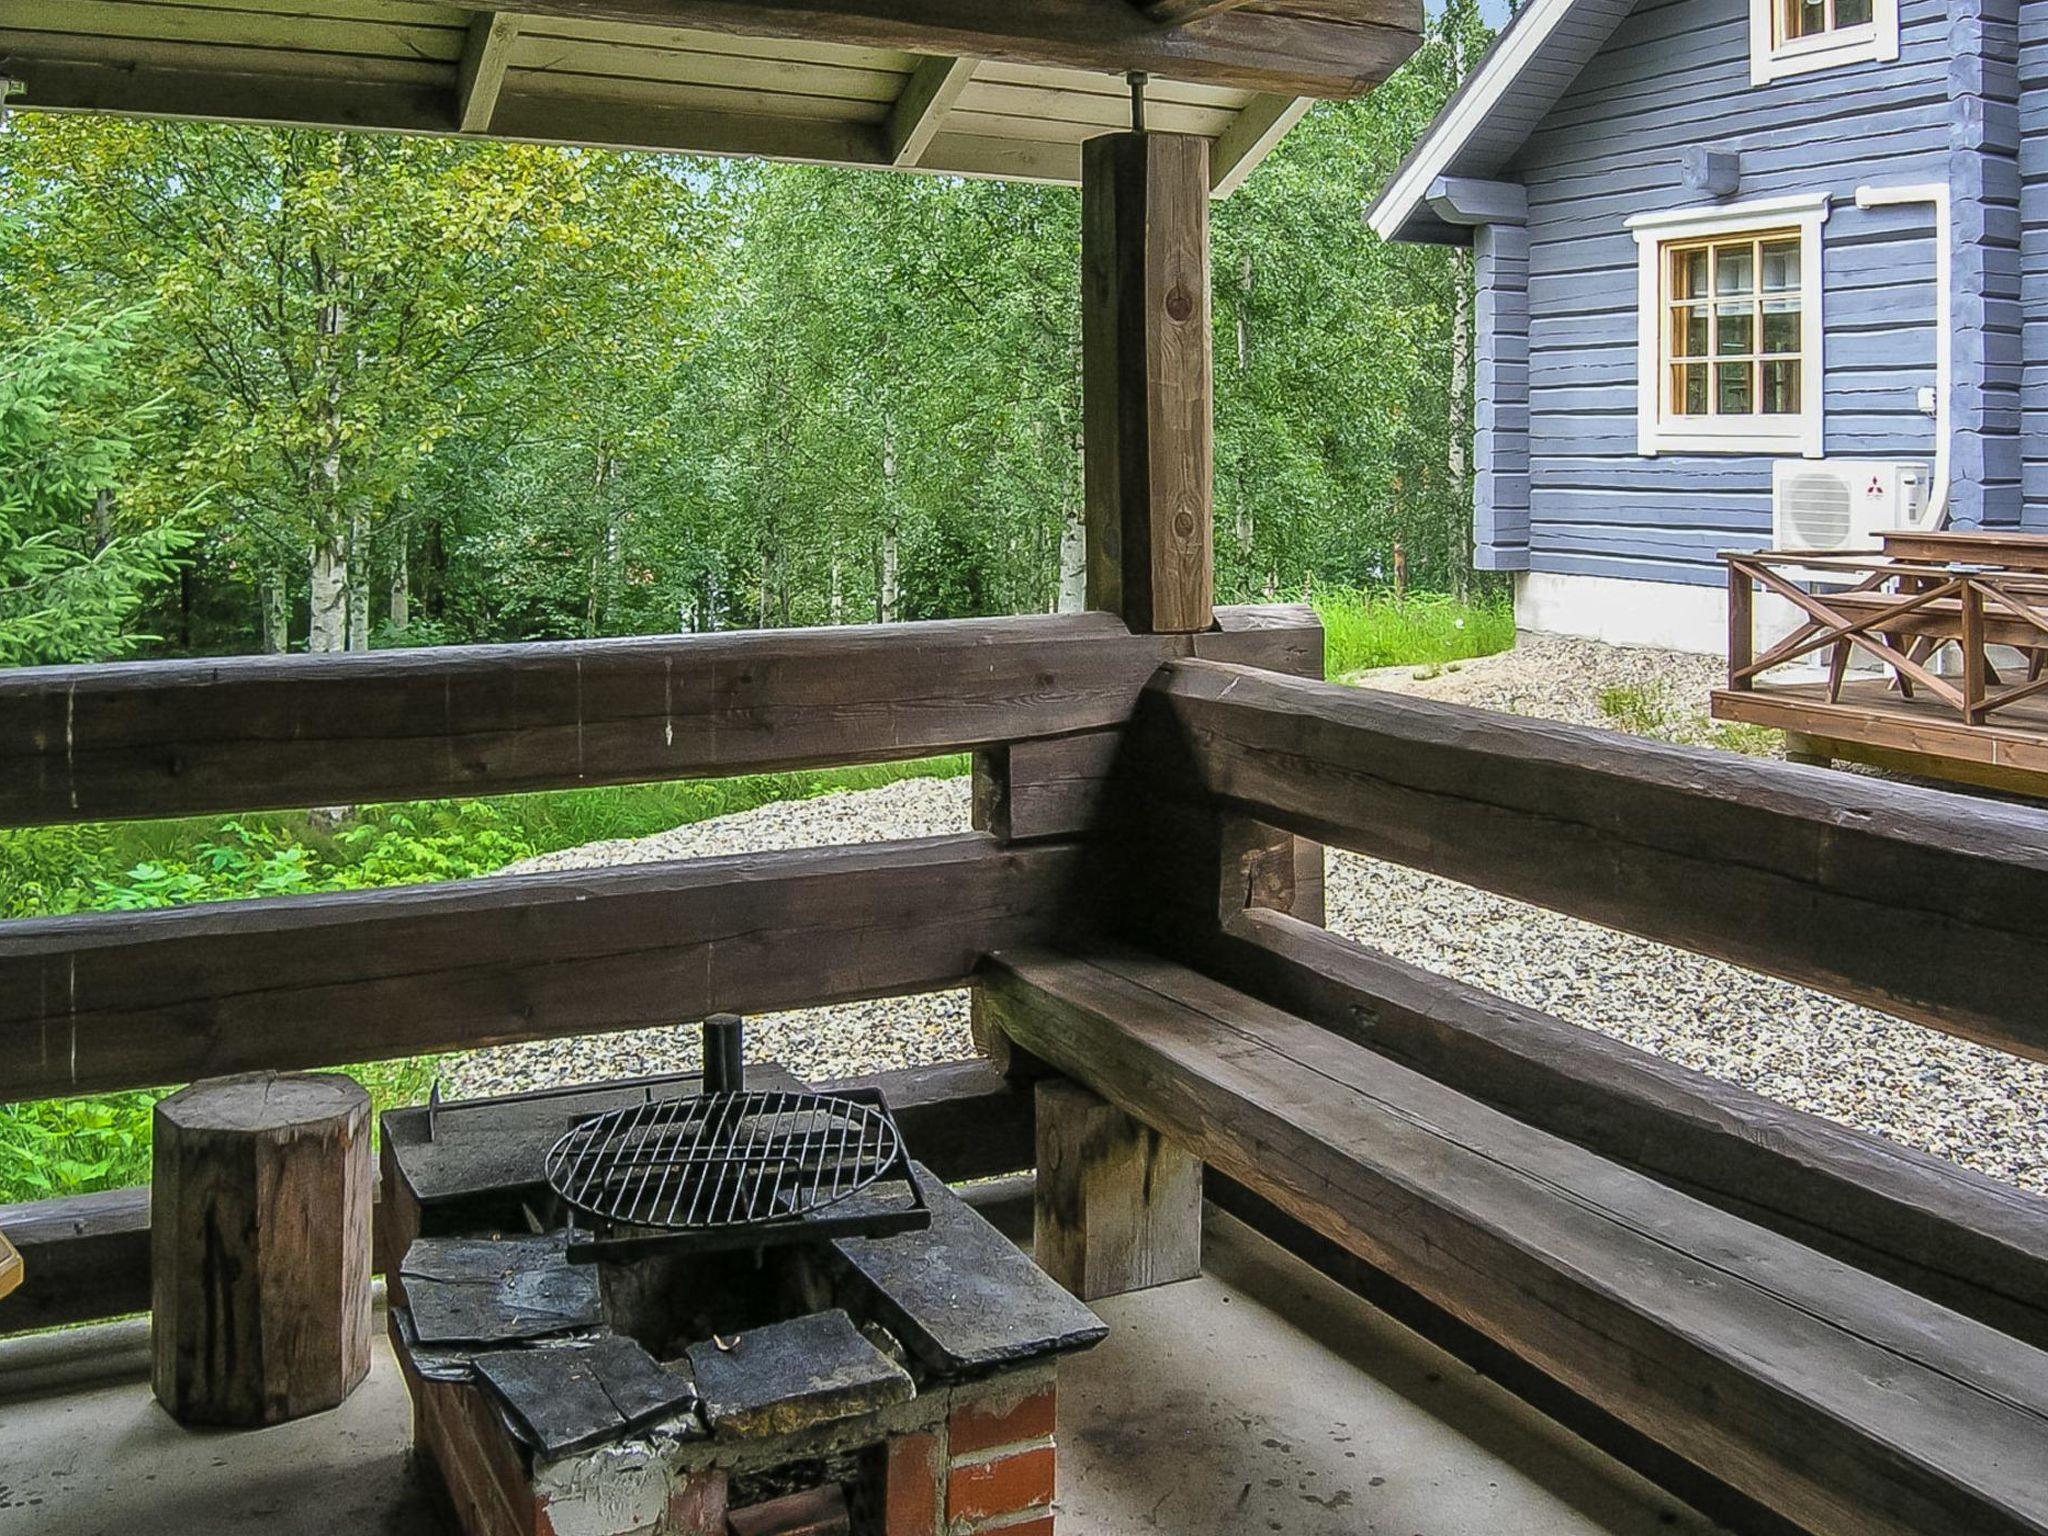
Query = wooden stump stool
x=260 y=1247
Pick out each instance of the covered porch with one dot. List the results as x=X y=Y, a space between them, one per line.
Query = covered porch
x=1376 y=1250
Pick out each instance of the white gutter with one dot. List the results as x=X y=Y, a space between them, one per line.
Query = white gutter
x=1937 y=194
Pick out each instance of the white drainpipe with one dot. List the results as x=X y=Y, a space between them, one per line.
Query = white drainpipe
x=1937 y=194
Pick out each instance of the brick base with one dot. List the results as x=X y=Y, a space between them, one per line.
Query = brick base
x=986 y=1469
x=990 y=1469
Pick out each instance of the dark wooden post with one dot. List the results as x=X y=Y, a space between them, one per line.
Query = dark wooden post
x=1741 y=626
x=1146 y=379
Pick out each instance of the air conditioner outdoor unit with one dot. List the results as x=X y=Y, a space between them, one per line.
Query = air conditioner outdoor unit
x=1839 y=506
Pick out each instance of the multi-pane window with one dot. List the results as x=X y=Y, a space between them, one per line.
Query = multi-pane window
x=1732 y=326
x=1817 y=18
x=1730 y=333
x=1797 y=37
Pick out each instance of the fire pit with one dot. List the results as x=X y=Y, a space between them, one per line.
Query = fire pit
x=713 y=1309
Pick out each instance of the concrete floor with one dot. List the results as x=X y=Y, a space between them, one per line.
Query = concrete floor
x=1258 y=1398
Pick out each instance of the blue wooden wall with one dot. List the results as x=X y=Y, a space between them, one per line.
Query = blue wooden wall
x=1676 y=74
x=2033 y=168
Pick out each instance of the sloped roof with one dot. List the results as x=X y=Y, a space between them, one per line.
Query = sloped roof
x=1524 y=74
x=1004 y=88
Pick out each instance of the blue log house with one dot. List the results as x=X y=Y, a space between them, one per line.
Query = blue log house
x=1719 y=241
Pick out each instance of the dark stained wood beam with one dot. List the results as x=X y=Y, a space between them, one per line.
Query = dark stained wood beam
x=1836 y=1399
x=1928 y=905
x=1321 y=55
x=114 y=1000
x=1147 y=385
x=146 y=739
x=1969 y=1242
x=1178 y=13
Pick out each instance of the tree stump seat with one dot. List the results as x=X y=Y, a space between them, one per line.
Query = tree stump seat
x=260 y=1247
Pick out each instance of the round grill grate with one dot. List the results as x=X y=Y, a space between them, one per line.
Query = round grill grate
x=722 y=1160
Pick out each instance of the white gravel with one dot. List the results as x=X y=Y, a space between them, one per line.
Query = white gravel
x=1977 y=1106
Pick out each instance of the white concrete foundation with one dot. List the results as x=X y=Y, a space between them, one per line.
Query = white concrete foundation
x=1669 y=615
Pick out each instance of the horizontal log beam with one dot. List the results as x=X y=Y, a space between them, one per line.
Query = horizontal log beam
x=116 y=1000
x=1956 y=1237
x=177 y=738
x=1925 y=904
x=1343 y=52
x=1841 y=1402
x=87 y=1256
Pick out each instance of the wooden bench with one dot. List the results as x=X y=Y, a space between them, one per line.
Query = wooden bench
x=1835 y=1398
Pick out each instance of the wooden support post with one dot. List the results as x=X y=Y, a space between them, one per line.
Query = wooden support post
x=1741 y=626
x=1975 y=668
x=1146 y=379
x=1117 y=1206
x=260 y=1247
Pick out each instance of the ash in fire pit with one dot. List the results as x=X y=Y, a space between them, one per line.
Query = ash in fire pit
x=839 y=1374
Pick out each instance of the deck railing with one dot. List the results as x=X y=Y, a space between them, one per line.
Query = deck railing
x=1899 y=613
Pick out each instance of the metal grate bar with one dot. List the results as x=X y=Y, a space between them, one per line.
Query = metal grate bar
x=723 y=1160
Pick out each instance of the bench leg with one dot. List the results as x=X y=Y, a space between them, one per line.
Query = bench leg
x=1118 y=1207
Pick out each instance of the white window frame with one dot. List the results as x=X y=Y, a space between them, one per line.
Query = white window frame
x=1658 y=430
x=1770 y=59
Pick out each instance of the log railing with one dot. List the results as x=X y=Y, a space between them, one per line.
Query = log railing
x=1928 y=905
x=105 y=1001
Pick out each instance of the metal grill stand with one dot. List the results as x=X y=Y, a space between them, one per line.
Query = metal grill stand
x=731 y=1169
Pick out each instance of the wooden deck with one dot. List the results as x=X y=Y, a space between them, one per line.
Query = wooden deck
x=1874 y=724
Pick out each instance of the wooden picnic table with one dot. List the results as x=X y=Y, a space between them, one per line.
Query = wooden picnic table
x=2011 y=551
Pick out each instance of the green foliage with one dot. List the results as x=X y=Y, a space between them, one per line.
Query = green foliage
x=542 y=392
x=1363 y=630
x=75 y=563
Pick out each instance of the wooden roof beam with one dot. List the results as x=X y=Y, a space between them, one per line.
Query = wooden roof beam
x=482 y=77
x=1321 y=55
x=1178 y=13
x=920 y=111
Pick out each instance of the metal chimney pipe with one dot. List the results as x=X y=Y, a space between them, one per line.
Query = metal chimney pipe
x=725 y=1063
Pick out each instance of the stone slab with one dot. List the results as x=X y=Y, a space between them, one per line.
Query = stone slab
x=463 y=1290
x=793 y=1376
x=567 y=1397
x=960 y=1295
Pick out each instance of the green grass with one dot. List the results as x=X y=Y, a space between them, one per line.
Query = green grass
x=1363 y=630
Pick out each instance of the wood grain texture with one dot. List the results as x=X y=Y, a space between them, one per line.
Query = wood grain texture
x=1842 y=1402
x=260 y=1248
x=1967 y=1241
x=1927 y=905
x=107 y=1001
x=1320 y=55
x=147 y=739
x=1116 y=1207
x=1146 y=379
x=1056 y=787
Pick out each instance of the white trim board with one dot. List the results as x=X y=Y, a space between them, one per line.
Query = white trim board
x=1670 y=615
x=1528 y=32
x=1769 y=60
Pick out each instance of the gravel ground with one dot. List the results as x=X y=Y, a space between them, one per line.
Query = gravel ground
x=1980 y=1107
